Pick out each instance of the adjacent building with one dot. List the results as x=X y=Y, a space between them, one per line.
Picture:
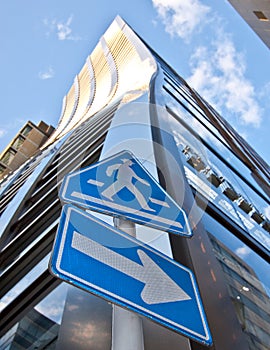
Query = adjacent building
x=23 y=146
x=257 y=14
x=126 y=97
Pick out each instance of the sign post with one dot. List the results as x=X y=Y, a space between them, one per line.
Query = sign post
x=123 y=320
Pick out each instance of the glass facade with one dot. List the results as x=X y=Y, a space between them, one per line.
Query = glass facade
x=247 y=282
x=218 y=175
x=39 y=327
x=199 y=162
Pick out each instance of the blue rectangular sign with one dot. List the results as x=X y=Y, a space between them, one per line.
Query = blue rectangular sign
x=105 y=261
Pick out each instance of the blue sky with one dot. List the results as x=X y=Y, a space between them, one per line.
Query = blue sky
x=44 y=44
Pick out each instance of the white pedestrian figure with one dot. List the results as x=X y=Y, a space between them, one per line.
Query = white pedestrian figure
x=124 y=177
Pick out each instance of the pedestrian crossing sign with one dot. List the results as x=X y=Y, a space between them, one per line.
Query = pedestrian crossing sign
x=121 y=186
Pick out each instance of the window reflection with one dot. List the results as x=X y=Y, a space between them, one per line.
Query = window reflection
x=8 y=157
x=26 y=130
x=248 y=286
x=39 y=328
x=18 y=142
x=210 y=134
x=209 y=175
x=24 y=282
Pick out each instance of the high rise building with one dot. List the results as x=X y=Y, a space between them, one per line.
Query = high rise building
x=126 y=97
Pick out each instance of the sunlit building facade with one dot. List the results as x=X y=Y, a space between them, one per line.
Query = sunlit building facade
x=127 y=98
x=23 y=146
x=257 y=15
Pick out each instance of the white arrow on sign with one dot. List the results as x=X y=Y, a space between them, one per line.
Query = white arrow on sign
x=159 y=287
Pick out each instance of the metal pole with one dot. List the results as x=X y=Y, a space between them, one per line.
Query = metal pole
x=127 y=332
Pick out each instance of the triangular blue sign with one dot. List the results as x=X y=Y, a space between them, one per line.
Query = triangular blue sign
x=105 y=261
x=121 y=186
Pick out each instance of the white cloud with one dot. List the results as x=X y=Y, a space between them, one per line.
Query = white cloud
x=242 y=252
x=48 y=74
x=72 y=307
x=2 y=132
x=218 y=74
x=181 y=17
x=62 y=29
x=218 y=70
x=265 y=92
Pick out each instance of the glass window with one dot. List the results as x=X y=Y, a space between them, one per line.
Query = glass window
x=39 y=328
x=204 y=129
x=8 y=156
x=24 y=282
x=26 y=130
x=211 y=176
x=247 y=278
x=2 y=169
x=18 y=142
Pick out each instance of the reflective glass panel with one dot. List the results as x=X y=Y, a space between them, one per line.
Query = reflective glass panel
x=247 y=278
x=39 y=328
